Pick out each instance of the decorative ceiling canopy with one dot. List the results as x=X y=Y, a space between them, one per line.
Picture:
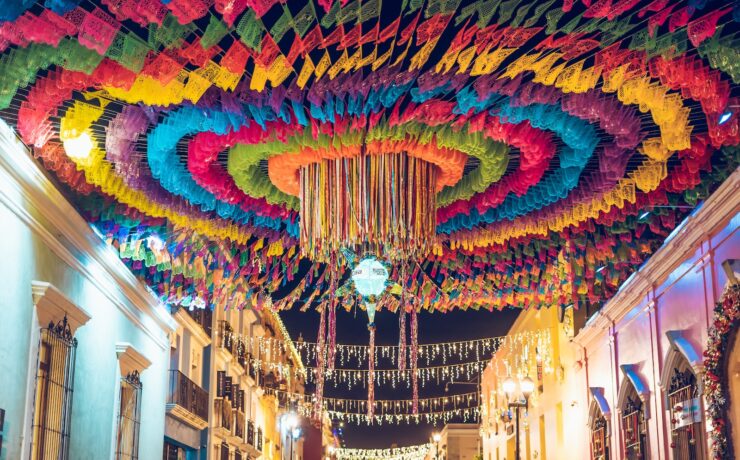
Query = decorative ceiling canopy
x=510 y=153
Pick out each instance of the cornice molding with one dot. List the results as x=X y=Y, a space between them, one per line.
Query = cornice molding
x=52 y=306
x=31 y=196
x=187 y=322
x=129 y=359
x=712 y=216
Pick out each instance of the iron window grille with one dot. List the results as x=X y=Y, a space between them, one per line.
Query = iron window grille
x=250 y=433
x=259 y=439
x=600 y=439
x=634 y=429
x=685 y=412
x=53 y=392
x=129 y=417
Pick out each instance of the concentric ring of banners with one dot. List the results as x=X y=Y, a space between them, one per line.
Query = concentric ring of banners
x=543 y=120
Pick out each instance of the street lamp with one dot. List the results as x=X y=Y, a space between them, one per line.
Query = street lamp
x=436 y=437
x=292 y=427
x=526 y=387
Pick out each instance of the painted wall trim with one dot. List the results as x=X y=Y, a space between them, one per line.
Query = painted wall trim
x=714 y=213
x=27 y=192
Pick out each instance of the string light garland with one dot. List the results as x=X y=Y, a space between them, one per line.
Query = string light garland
x=434 y=418
x=383 y=406
x=346 y=354
x=521 y=349
x=418 y=452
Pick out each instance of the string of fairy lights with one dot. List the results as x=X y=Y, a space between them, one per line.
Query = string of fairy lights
x=262 y=349
x=520 y=354
x=383 y=406
x=417 y=452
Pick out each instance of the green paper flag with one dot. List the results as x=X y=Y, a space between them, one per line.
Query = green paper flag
x=215 y=31
x=538 y=12
x=553 y=17
x=282 y=25
x=250 y=30
x=304 y=19
x=171 y=34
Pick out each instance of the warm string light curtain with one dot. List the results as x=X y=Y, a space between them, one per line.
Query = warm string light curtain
x=380 y=204
x=396 y=453
x=468 y=415
x=383 y=406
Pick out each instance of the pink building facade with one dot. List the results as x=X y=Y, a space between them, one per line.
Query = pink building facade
x=629 y=383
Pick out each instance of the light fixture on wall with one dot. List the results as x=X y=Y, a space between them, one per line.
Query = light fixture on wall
x=79 y=148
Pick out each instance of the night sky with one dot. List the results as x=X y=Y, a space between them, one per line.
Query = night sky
x=437 y=327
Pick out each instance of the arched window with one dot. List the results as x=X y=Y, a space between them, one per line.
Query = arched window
x=600 y=438
x=634 y=427
x=598 y=421
x=684 y=405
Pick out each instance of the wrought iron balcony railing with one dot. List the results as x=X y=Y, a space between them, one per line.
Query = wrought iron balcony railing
x=186 y=394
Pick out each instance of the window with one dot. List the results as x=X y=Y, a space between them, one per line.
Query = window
x=224 y=451
x=685 y=415
x=634 y=428
x=600 y=439
x=53 y=392
x=129 y=417
x=173 y=452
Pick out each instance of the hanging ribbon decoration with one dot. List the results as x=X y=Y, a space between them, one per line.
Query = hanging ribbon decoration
x=331 y=353
x=414 y=356
x=371 y=374
x=318 y=400
x=402 y=336
x=402 y=324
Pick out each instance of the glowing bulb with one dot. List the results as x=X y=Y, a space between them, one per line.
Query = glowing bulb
x=527 y=386
x=509 y=386
x=725 y=117
x=155 y=242
x=79 y=148
x=369 y=277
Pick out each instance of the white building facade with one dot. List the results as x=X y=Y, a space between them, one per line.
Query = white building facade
x=84 y=347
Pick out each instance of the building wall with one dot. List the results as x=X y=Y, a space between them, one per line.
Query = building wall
x=458 y=441
x=43 y=239
x=674 y=291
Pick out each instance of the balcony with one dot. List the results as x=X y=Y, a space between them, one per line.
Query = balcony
x=239 y=419
x=198 y=321
x=250 y=433
x=187 y=401
x=249 y=444
x=204 y=318
x=222 y=413
x=226 y=339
